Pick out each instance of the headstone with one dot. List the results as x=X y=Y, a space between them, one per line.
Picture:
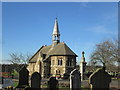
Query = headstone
x=35 y=80
x=23 y=78
x=75 y=80
x=100 y=79
x=53 y=84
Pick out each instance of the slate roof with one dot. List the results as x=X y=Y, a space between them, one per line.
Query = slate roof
x=47 y=51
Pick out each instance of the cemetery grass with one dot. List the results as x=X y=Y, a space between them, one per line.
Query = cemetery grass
x=15 y=83
x=63 y=88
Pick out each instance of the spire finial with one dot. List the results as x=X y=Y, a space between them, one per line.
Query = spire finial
x=83 y=54
x=56 y=18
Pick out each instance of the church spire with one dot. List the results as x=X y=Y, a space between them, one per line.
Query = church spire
x=56 y=29
x=56 y=34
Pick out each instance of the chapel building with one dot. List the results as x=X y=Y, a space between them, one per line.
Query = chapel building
x=54 y=60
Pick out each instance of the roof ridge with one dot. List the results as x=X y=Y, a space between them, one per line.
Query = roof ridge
x=49 y=50
x=36 y=52
x=68 y=48
x=59 y=49
x=65 y=47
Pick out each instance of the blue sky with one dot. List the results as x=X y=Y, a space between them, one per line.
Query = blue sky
x=28 y=26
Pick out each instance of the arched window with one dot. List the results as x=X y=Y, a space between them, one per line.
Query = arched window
x=57 y=71
x=59 y=61
x=70 y=62
x=55 y=38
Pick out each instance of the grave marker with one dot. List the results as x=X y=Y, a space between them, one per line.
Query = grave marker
x=100 y=79
x=75 y=80
x=53 y=84
x=23 y=78
x=35 y=80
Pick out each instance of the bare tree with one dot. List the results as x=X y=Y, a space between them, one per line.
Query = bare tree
x=19 y=59
x=106 y=53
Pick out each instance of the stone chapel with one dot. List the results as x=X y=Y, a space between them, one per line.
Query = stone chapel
x=54 y=60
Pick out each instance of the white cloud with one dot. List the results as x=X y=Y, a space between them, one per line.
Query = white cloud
x=110 y=17
x=5 y=62
x=102 y=29
x=84 y=4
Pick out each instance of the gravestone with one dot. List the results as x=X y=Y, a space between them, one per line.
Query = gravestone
x=53 y=84
x=35 y=80
x=23 y=78
x=100 y=79
x=75 y=80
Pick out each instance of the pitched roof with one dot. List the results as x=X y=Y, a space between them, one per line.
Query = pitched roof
x=43 y=50
x=59 y=49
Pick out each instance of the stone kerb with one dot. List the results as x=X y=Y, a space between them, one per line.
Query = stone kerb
x=75 y=80
x=100 y=79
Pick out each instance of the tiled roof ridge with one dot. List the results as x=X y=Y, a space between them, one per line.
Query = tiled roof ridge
x=53 y=48
x=49 y=50
x=65 y=46
x=60 y=49
x=36 y=52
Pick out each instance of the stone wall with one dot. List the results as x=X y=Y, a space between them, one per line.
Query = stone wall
x=63 y=68
x=31 y=68
x=55 y=65
x=55 y=68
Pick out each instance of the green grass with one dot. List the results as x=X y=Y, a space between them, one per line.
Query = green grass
x=85 y=89
x=60 y=88
x=44 y=86
x=63 y=87
x=15 y=83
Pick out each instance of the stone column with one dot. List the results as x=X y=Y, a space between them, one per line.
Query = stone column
x=82 y=66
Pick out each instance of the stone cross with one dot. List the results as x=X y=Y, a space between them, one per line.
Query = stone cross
x=75 y=80
x=100 y=79
x=35 y=80
x=53 y=84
